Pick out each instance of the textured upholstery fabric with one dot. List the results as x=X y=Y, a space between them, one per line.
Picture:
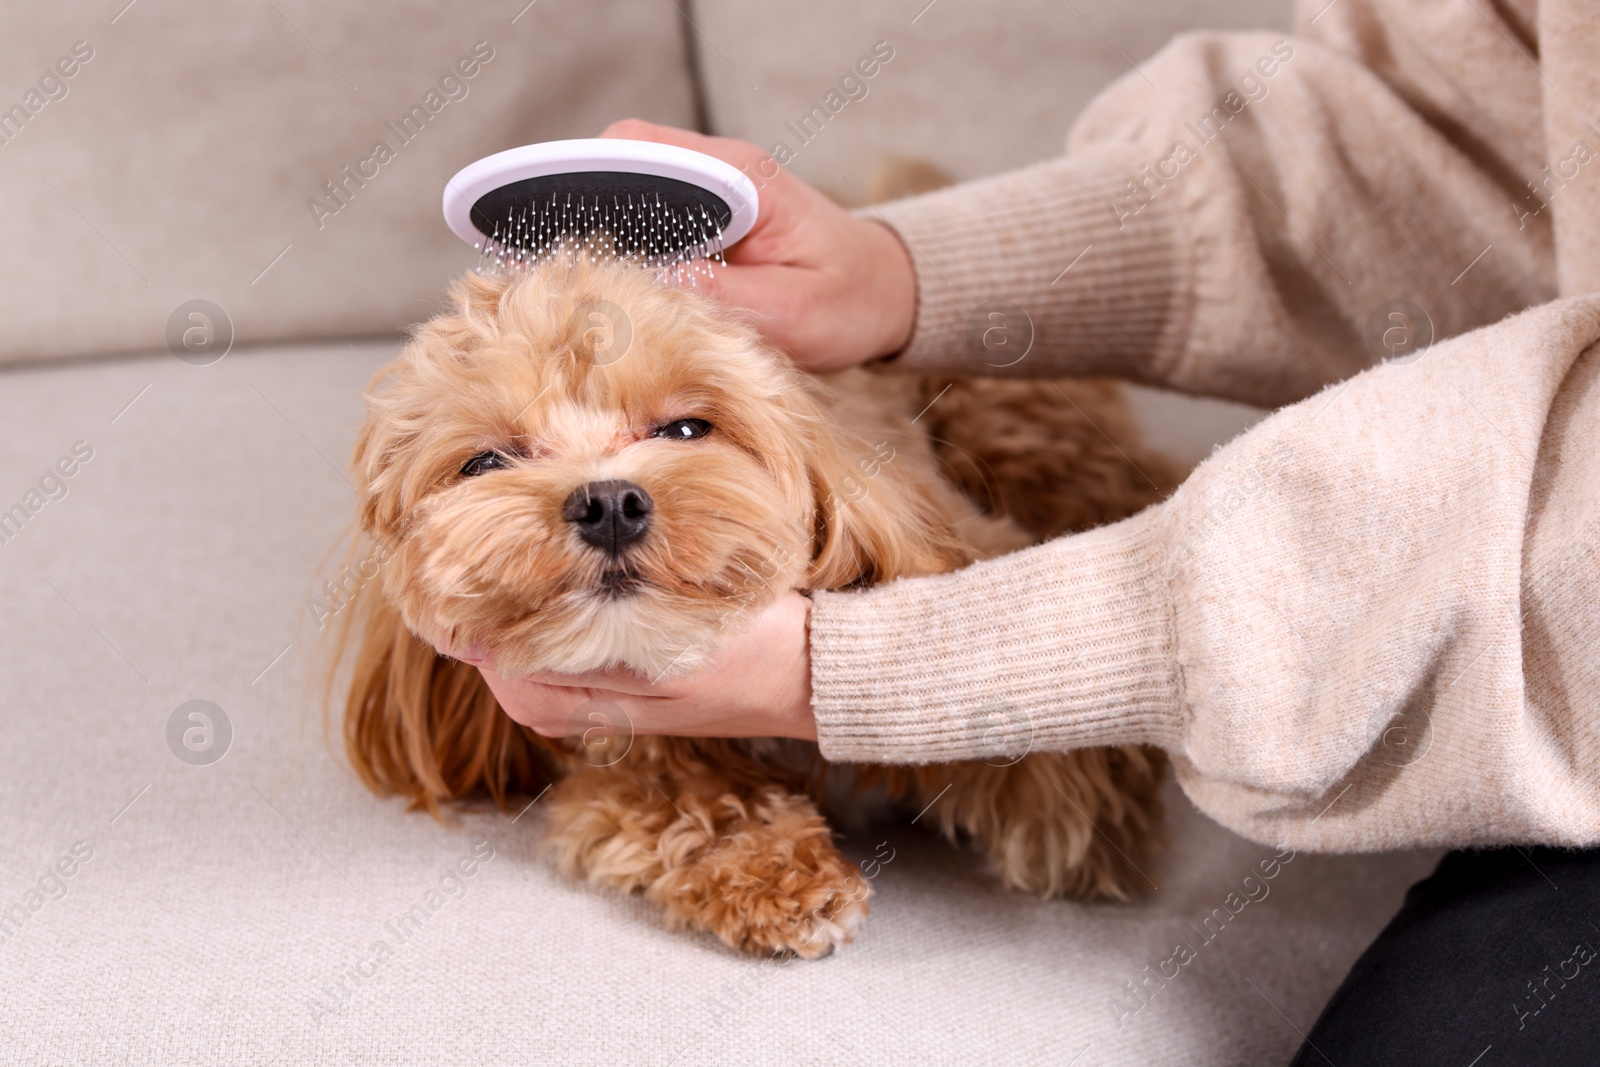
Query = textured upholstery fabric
x=219 y=900
x=975 y=88
x=179 y=162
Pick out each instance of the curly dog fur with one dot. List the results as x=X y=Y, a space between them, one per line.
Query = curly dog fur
x=801 y=482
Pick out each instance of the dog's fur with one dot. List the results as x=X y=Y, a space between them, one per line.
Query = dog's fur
x=803 y=483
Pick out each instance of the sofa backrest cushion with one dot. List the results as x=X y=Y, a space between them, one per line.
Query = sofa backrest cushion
x=974 y=88
x=282 y=160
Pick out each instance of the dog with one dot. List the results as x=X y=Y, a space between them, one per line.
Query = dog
x=576 y=499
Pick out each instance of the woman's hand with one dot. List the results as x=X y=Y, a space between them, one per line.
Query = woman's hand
x=759 y=685
x=831 y=289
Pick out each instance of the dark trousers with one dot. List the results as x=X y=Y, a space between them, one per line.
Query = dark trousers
x=1493 y=960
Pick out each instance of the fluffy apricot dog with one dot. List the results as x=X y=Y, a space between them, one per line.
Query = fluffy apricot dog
x=580 y=468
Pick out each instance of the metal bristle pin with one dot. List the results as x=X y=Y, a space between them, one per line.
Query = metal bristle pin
x=671 y=210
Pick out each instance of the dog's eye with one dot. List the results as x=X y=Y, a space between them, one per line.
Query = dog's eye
x=683 y=429
x=483 y=463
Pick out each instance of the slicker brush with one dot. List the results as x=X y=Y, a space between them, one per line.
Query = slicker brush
x=671 y=209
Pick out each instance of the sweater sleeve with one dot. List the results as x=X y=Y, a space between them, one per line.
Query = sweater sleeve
x=1243 y=215
x=1331 y=609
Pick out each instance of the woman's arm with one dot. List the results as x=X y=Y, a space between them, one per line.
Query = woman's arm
x=1232 y=218
x=1388 y=593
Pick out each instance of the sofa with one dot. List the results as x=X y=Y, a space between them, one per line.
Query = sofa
x=207 y=256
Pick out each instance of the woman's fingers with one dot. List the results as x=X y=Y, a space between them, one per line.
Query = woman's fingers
x=758 y=686
x=805 y=254
x=738 y=153
x=548 y=710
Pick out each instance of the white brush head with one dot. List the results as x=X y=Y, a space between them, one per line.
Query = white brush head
x=668 y=206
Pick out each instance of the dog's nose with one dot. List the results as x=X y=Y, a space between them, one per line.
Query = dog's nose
x=610 y=515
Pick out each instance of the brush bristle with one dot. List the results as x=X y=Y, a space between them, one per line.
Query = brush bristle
x=653 y=222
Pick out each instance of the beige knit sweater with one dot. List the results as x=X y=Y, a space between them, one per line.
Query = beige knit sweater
x=1373 y=621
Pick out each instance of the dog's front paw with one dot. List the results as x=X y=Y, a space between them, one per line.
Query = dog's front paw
x=771 y=883
x=811 y=904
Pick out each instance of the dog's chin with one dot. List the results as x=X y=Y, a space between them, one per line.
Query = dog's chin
x=622 y=623
x=617 y=584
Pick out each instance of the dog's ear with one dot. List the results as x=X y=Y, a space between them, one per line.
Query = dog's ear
x=398 y=397
x=378 y=488
x=874 y=519
x=425 y=726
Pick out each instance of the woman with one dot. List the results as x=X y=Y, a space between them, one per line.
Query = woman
x=1413 y=548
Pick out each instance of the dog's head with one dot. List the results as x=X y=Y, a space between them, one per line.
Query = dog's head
x=580 y=468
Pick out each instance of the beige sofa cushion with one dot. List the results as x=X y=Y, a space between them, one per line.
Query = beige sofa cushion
x=975 y=88
x=177 y=160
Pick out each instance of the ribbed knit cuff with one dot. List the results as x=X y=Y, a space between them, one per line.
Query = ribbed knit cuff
x=1095 y=264
x=1061 y=646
